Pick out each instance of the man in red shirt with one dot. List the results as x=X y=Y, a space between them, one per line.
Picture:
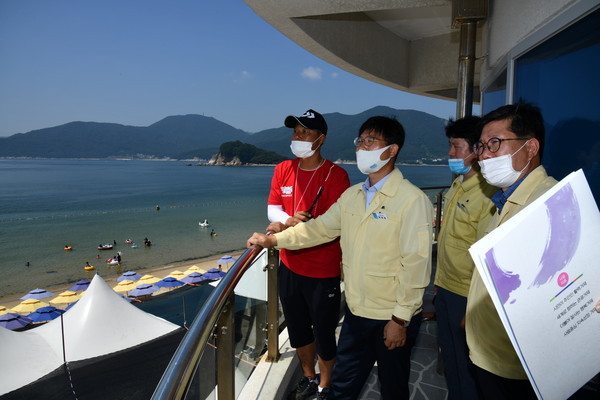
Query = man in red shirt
x=309 y=279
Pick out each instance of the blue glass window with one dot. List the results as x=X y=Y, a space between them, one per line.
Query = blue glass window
x=561 y=77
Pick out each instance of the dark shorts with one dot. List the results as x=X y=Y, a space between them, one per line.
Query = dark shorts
x=311 y=307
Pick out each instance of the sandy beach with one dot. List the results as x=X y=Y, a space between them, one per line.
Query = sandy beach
x=161 y=272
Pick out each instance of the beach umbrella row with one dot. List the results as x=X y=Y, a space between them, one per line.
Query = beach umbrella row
x=127 y=283
x=40 y=311
x=14 y=321
x=32 y=300
x=32 y=305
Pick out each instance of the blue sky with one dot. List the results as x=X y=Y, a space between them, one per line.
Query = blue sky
x=135 y=62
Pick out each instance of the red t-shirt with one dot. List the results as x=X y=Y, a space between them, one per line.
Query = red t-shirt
x=295 y=190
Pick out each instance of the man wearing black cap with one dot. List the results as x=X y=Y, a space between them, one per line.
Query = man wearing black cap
x=309 y=279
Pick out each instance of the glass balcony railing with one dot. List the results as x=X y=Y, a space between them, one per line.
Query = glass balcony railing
x=237 y=324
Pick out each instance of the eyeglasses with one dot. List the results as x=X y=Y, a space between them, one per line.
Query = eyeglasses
x=367 y=141
x=493 y=145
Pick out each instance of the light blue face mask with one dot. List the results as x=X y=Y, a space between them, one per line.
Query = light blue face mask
x=457 y=166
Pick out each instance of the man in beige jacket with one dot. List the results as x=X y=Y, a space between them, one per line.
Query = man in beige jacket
x=385 y=231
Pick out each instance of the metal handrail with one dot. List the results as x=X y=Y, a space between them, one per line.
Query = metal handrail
x=177 y=378
x=438 y=213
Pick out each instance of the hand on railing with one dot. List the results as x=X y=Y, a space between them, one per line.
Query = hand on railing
x=262 y=240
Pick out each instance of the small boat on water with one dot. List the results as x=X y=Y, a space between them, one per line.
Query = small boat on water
x=204 y=223
x=134 y=245
x=106 y=246
x=128 y=241
x=112 y=261
x=68 y=248
x=88 y=267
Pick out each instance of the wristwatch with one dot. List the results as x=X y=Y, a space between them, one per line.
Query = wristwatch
x=400 y=322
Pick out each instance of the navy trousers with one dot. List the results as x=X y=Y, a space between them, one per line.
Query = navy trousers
x=494 y=387
x=450 y=309
x=360 y=345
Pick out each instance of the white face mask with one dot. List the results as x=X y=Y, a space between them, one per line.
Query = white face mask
x=499 y=171
x=369 y=162
x=303 y=149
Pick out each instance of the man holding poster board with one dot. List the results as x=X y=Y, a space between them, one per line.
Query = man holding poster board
x=510 y=153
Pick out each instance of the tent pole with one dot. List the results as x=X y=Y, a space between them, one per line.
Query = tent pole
x=62 y=332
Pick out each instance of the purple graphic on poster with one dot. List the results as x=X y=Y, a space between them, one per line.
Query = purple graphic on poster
x=505 y=281
x=564 y=216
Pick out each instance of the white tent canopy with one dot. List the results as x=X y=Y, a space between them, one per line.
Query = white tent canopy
x=102 y=322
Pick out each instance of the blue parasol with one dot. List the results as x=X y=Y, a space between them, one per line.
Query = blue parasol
x=194 y=277
x=169 y=282
x=14 y=321
x=226 y=260
x=130 y=275
x=214 y=273
x=45 y=314
x=80 y=285
x=37 y=294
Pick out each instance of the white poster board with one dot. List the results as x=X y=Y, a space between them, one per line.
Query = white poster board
x=542 y=270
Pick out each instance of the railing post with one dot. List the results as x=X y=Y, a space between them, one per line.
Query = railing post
x=225 y=358
x=272 y=307
x=438 y=214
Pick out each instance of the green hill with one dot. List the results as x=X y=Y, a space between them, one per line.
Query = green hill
x=196 y=136
x=248 y=154
x=425 y=139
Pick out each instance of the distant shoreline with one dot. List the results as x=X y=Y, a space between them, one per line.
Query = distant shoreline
x=197 y=163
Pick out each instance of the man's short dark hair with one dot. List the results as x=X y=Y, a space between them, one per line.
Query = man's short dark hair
x=525 y=121
x=391 y=130
x=465 y=128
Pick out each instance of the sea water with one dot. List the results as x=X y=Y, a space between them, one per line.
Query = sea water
x=47 y=204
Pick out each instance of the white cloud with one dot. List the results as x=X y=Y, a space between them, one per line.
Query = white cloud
x=241 y=77
x=334 y=75
x=312 y=73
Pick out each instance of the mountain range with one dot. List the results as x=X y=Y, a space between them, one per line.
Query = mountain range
x=199 y=137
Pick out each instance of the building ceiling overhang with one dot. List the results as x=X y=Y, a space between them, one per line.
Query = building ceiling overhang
x=409 y=45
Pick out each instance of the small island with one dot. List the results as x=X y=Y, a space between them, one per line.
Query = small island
x=237 y=153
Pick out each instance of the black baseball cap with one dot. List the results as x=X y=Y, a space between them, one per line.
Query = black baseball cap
x=310 y=120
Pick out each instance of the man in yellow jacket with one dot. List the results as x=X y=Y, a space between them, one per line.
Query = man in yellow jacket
x=510 y=153
x=467 y=209
x=384 y=225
